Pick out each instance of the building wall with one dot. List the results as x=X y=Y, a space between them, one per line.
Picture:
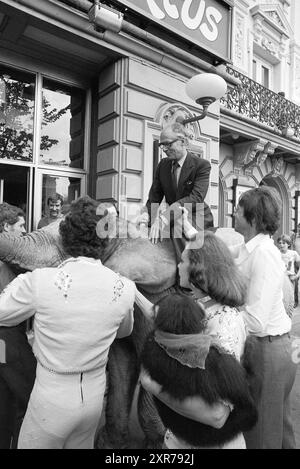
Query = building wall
x=134 y=97
x=284 y=180
x=269 y=30
x=266 y=31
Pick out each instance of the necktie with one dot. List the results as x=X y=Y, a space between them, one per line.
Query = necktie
x=175 y=166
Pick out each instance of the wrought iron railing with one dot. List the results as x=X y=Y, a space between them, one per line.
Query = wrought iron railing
x=252 y=100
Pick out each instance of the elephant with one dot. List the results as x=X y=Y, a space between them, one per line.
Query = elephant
x=153 y=268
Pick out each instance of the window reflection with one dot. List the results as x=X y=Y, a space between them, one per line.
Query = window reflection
x=62 y=134
x=17 y=90
x=57 y=194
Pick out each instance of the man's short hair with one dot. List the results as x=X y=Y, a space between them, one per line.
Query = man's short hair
x=55 y=198
x=285 y=239
x=9 y=214
x=264 y=206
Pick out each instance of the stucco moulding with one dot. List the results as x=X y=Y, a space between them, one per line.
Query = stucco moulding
x=251 y=154
x=277 y=166
x=168 y=115
x=272 y=16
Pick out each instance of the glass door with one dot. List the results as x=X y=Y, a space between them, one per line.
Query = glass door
x=58 y=187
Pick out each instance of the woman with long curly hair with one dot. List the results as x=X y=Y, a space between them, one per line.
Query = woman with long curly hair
x=79 y=308
x=216 y=283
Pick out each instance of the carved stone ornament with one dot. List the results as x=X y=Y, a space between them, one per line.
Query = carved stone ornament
x=251 y=154
x=268 y=150
x=273 y=15
x=239 y=39
x=277 y=166
x=245 y=154
x=172 y=113
x=258 y=28
x=270 y=18
x=269 y=46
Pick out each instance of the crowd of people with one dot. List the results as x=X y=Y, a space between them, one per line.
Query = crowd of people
x=218 y=360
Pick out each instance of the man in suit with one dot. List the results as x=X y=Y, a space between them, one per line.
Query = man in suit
x=183 y=179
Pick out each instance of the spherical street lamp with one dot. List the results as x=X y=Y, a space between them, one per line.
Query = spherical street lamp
x=205 y=89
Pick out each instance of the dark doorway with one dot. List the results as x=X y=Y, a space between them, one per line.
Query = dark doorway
x=14 y=185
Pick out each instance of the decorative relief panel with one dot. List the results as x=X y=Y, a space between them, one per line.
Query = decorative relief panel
x=239 y=43
x=277 y=166
x=273 y=15
x=297 y=79
x=269 y=46
x=271 y=28
x=258 y=28
x=169 y=114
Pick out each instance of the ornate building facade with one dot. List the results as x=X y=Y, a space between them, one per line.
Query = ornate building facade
x=260 y=118
x=86 y=86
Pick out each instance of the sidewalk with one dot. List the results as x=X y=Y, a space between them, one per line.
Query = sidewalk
x=296 y=388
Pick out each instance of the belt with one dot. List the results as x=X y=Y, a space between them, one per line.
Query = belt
x=79 y=372
x=271 y=338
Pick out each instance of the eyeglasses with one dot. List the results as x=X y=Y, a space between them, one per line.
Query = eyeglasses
x=166 y=145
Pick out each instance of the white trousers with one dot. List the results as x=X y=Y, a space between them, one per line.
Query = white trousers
x=63 y=411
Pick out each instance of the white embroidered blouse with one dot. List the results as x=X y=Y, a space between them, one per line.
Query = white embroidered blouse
x=79 y=309
x=227 y=325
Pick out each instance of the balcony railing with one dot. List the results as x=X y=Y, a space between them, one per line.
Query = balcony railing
x=252 y=100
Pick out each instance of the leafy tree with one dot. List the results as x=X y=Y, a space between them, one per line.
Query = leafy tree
x=16 y=120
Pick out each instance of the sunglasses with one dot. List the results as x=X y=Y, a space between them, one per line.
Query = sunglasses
x=166 y=145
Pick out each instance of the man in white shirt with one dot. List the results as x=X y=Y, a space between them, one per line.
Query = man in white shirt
x=257 y=218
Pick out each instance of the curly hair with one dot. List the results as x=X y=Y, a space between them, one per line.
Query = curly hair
x=78 y=230
x=212 y=270
x=9 y=214
x=263 y=206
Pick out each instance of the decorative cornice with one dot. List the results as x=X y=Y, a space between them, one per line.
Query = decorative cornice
x=274 y=16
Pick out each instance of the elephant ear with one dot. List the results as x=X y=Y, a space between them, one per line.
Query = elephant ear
x=150 y=266
x=41 y=248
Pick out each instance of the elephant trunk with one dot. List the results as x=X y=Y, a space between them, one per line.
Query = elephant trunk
x=35 y=250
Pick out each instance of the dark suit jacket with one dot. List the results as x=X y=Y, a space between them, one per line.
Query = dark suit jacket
x=192 y=188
